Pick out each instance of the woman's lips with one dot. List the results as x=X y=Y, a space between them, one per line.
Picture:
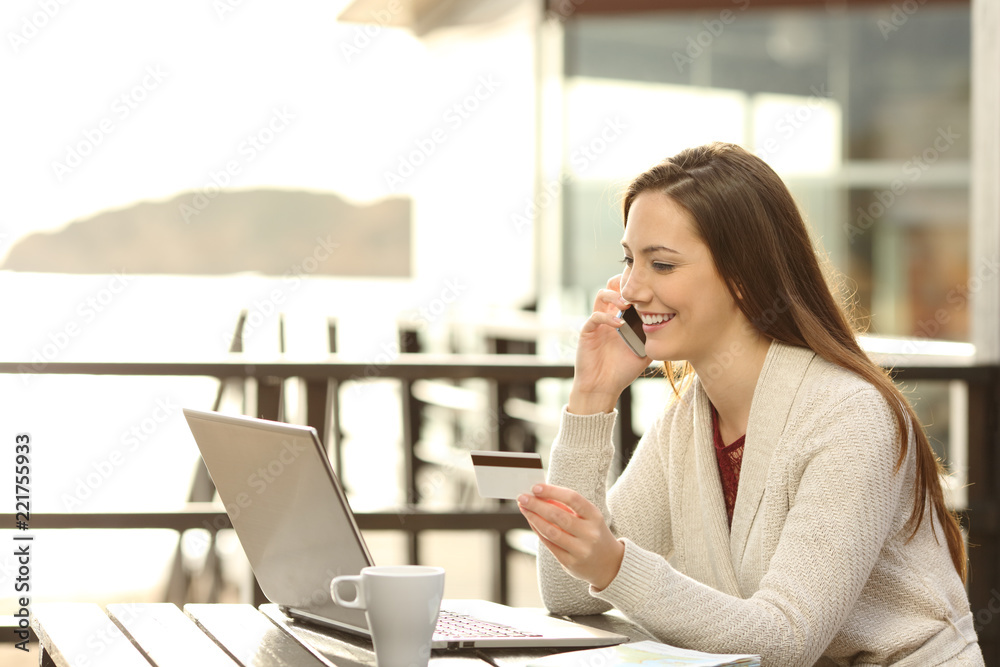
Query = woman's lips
x=655 y=321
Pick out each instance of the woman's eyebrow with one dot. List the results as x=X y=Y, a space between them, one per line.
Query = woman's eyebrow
x=653 y=248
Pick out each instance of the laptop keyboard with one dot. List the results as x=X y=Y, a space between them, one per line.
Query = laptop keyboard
x=451 y=625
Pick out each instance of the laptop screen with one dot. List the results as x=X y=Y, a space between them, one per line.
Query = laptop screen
x=288 y=509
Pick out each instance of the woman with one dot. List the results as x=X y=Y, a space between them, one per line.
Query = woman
x=786 y=502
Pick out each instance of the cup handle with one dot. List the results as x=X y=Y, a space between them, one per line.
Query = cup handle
x=359 y=599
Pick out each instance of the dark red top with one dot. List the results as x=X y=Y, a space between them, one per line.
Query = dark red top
x=730 y=457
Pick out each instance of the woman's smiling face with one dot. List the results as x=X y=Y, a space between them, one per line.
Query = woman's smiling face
x=670 y=278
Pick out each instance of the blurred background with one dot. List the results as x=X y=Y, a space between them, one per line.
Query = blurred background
x=450 y=165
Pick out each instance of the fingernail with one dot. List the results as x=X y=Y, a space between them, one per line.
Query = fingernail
x=537 y=488
x=522 y=499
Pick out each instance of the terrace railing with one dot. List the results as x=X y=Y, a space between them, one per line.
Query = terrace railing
x=321 y=378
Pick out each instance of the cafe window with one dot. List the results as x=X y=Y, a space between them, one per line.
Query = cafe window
x=863 y=113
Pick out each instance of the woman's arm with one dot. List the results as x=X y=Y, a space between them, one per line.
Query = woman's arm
x=635 y=507
x=582 y=452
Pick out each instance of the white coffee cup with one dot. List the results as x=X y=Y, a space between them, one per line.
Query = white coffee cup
x=401 y=604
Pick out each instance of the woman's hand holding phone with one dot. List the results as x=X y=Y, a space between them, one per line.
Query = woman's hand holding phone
x=605 y=365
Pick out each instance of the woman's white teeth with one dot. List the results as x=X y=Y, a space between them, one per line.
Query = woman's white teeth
x=655 y=319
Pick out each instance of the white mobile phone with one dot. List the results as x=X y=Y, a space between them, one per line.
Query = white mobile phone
x=631 y=332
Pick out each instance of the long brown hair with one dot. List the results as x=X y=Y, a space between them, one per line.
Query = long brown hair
x=761 y=247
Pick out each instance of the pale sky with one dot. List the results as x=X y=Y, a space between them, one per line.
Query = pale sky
x=110 y=101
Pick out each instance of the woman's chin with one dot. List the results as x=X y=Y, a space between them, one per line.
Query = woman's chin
x=660 y=353
x=665 y=352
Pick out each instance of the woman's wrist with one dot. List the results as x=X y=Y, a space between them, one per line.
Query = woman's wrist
x=614 y=567
x=590 y=403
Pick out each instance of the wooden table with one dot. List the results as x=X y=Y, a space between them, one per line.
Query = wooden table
x=78 y=634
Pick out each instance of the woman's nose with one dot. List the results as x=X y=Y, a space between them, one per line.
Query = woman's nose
x=630 y=286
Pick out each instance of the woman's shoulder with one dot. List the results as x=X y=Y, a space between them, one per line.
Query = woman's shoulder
x=827 y=396
x=817 y=378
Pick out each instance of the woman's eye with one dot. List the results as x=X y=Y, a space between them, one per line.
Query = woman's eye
x=660 y=266
x=627 y=261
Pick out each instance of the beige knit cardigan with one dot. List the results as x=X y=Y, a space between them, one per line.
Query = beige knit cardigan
x=818 y=566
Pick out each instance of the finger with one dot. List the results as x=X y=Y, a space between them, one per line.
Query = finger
x=558 y=504
x=573 y=500
x=560 y=554
x=557 y=551
x=610 y=298
x=553 y=513
x=538 y=523
x=598 y=319
x=561 y=525
x=543 y=529
x=560 y=541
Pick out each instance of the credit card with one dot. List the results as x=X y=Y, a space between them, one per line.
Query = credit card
x=507 y=474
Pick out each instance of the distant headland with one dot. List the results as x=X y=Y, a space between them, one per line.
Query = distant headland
x=267 y=231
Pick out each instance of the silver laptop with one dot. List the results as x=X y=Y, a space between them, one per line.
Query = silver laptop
x=298 y=531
